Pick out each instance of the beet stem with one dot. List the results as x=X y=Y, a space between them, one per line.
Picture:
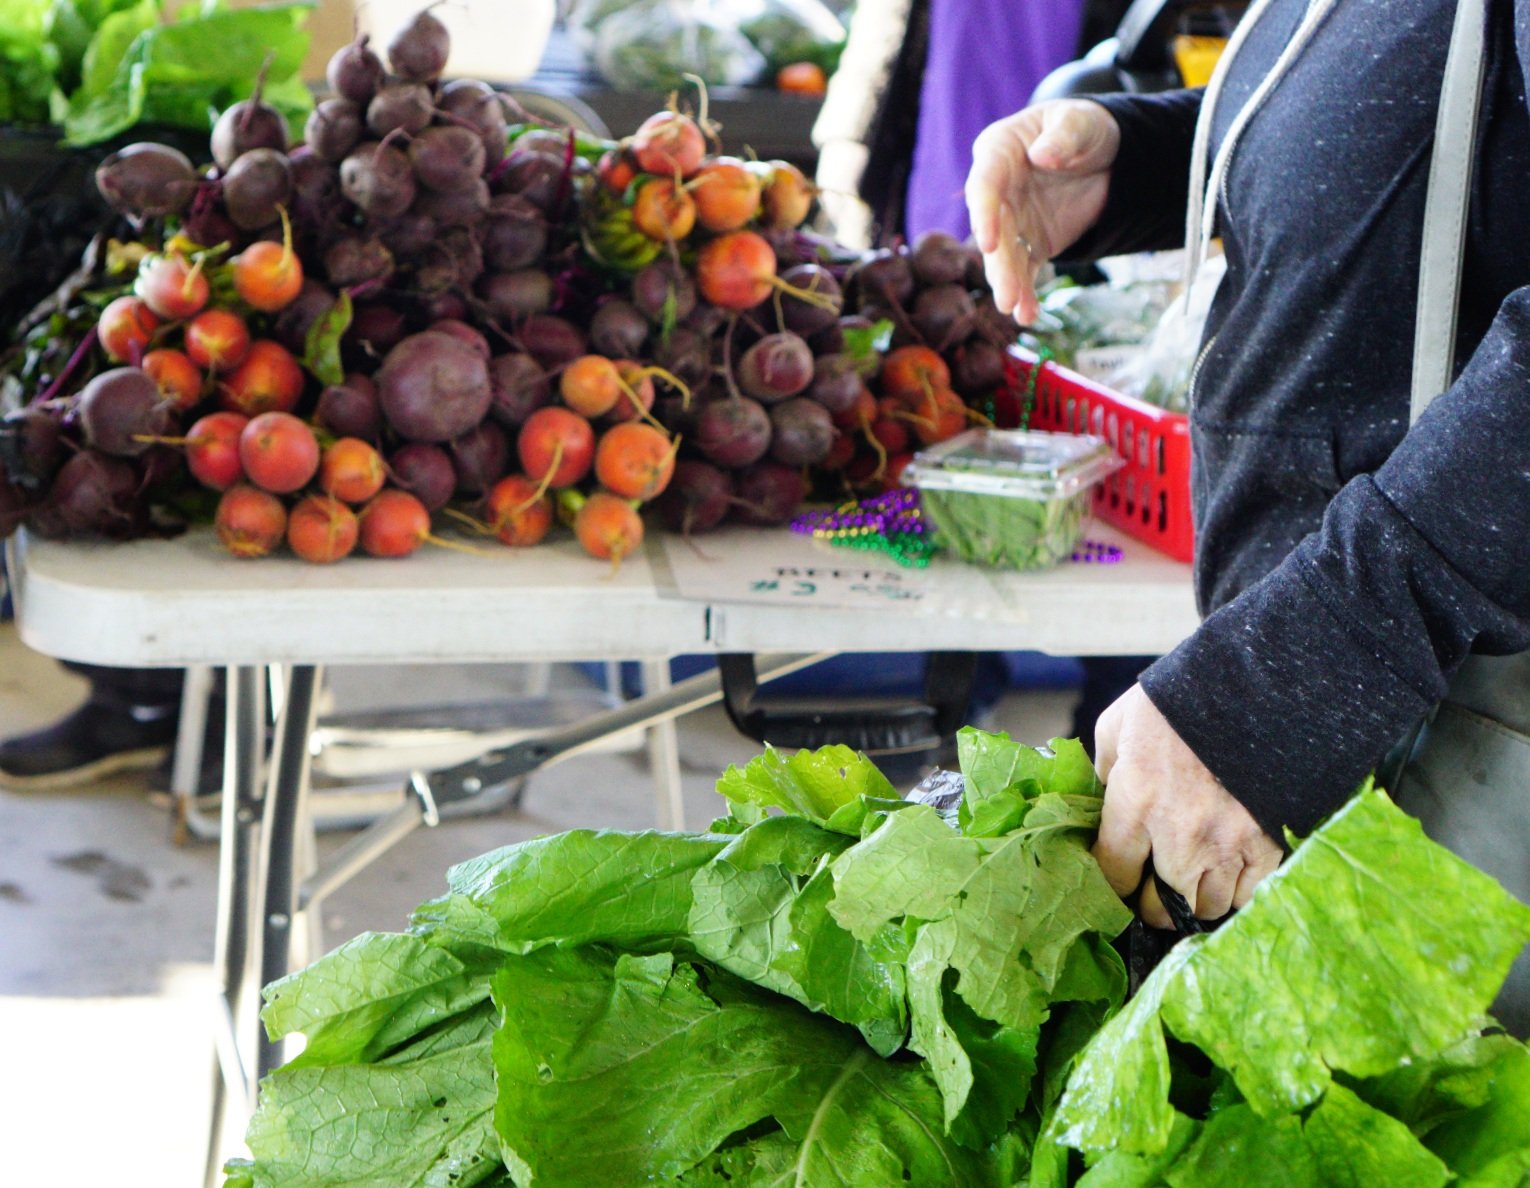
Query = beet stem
x=74 y=361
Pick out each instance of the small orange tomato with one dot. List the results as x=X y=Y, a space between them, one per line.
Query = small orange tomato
x=802 y=78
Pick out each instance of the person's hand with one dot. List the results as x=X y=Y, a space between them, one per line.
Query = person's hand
x=1038 y=181
x=1160 y=800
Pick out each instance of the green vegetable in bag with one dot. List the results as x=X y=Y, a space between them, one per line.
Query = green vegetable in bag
x=652 y=46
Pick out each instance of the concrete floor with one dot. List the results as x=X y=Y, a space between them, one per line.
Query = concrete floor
x=106 y=925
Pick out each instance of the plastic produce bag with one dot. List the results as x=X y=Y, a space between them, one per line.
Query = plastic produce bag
x=787 y=31
x=1096 y=329
x=582 y=18
x=654 y=45
x=1160 y=371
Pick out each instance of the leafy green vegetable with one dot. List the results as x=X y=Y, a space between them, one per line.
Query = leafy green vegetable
x=848 y=989
x=762 y=912
x=812 y=784
x=321 y=348
x=371 y=993
x=579 y=887
x=137 y=69
x=70 y=26
x=1442 y=968
x=423 y=1121
x=867 y=344
x=1009 y=532
x=1003 y=914
x=586 y=1038
x=783 y=40
x=1371 y=953
x=1486 y=1142
x=1343 y=1143
x=28 y=62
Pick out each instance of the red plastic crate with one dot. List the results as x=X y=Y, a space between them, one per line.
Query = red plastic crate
x=1148 y=498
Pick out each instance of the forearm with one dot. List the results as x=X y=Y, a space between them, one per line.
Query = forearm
x=1296 y=688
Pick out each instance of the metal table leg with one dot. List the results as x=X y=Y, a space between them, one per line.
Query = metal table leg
x=664 y=753
x=244 y=743
x=286 y=791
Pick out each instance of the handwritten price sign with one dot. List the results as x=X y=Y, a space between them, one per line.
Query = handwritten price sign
x=834 y=585
x=785 y=569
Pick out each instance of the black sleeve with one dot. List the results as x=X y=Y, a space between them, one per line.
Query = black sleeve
x=1150 y=180
x=1295 y=689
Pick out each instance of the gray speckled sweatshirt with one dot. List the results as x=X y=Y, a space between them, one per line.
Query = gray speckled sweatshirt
x=1346 y=564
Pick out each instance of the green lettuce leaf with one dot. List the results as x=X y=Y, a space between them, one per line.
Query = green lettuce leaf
x=1412 y=944
x=628 y=889
x=70 y=25
x=1016 y=904
x=815 y=784
x=622 y=1069
x=1237 y=1146
x=106 y=49
x=1488 y=1143
x=996 y=767
x=761 y=911
x=1117 y=1098
x=372 y=993
x=186 y=71
x=425 y=1121
x=29 y=62
x=1370 y=950
x=1461 y=1079
x=1120 y=1170
x=1356 y=1146
x=1343 y=1143
x=1004 y=915
x=768 y=1161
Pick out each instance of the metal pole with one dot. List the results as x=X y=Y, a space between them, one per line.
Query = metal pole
x=243 y=747
x=287 y=789
x=466 y=780
x=664 y=753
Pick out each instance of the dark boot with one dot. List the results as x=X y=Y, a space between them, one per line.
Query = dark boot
x=95 y=740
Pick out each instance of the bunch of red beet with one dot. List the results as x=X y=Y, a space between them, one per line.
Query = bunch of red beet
x=427 y=308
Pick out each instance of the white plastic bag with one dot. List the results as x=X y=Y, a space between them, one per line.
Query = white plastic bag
x=1160 y=371
x=653 y=45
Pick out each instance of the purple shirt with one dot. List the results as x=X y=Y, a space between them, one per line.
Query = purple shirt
x=985 y=59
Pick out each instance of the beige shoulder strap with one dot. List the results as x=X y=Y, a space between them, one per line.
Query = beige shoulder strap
x=1445 y=207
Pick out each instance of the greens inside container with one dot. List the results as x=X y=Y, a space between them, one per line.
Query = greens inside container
x=1010 y=497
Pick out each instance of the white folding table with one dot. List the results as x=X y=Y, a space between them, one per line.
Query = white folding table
x=183 y=602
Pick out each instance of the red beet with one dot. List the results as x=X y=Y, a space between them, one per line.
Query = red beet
x=351 y=409
x=355 y=72
x=480 y=457
x=733 y=431
x=801 y=432
x=698 y=498
x=419 y=50
x=447 y=157
x=31 y=446
x=433 y=387
x=426 y=472
x=515 y=233
x=147 y=180
x=769 y=493
x=94 y=494
x=121 y=410
x=520 y=386
x=776 y=367
x=552 y=340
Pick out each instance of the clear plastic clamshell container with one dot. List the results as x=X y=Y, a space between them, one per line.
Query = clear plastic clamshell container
x=1014 y=498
